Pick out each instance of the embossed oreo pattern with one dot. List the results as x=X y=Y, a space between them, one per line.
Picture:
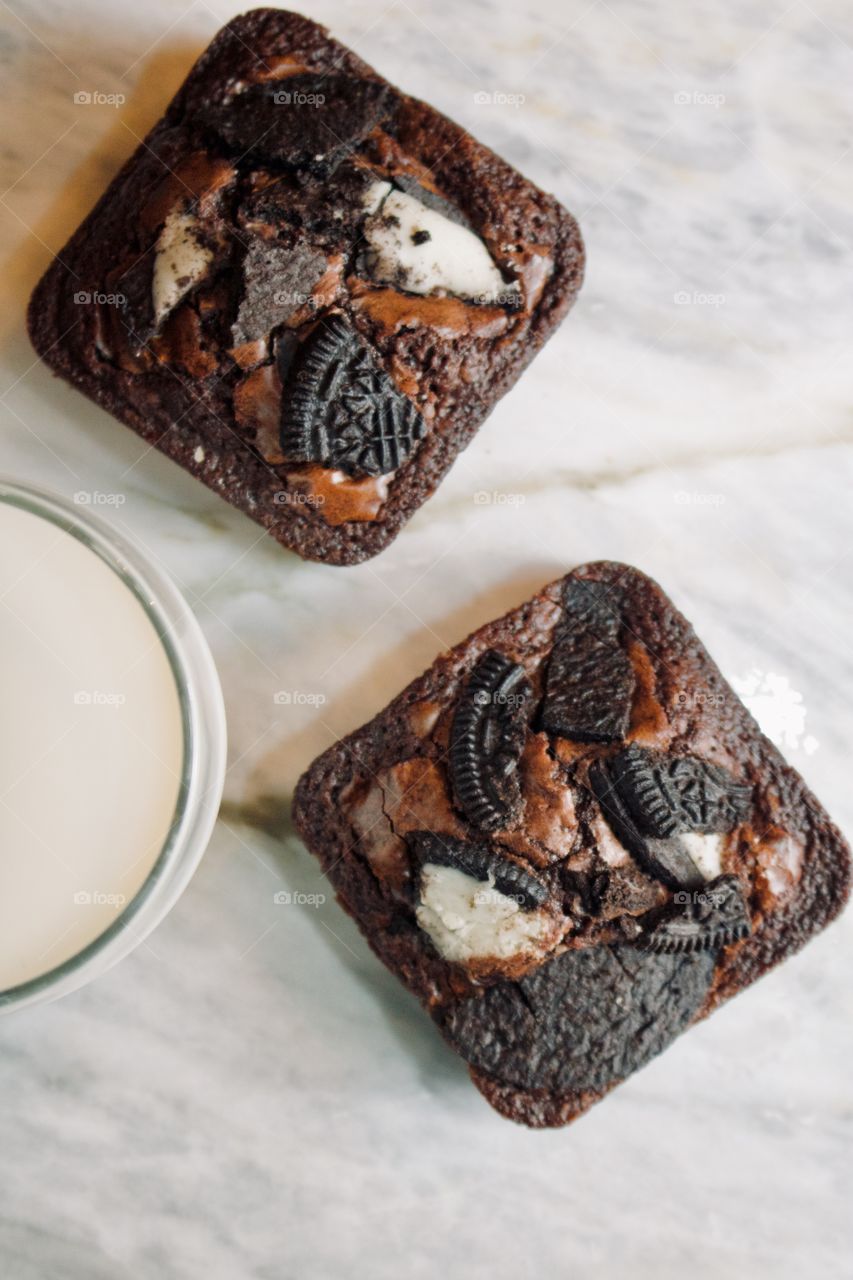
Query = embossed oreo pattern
x=486 y=741
x=340 y=409
x=589 y=684
x=649 y=798
x=703 y=920
x=670 y=794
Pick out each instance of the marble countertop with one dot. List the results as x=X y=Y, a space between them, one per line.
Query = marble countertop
x=250 y=1094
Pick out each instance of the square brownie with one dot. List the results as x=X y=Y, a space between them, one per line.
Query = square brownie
x=571 y=841
x=307 y=288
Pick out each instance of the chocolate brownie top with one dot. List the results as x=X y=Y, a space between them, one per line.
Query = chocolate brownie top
x=570 y=839
x=307 y=287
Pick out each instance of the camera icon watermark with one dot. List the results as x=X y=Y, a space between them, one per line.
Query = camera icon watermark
x=287 y=898
x=95 y=898
x=87 y=298
x=497 y=98
x=286 y=98
x=700 y=897
x=698 y=98
x=295 y=498
x=98 y=698
x=498 y=498
x=293 y=298
x=94 y=98
x=298 y=698
x=698 y=299
x=96 y=498
x=508 y=297
x=698 y=698
x=494 y=898
x=482 y=698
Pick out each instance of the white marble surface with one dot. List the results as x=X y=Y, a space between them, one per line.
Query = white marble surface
x=252 y=1095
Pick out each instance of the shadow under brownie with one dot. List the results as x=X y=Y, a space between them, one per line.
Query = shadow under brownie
x=570 y=840
x=307 y=288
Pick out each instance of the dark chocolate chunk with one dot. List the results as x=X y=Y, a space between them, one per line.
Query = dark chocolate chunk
x=486 y=741
x=306 y=121
x=277 y=282
x=420 y=237
x=340 y=409
x=589 y=684
x=699 y=920
x=286 y=346
x=135 y=286
x=584 y=1020
x=481 y=864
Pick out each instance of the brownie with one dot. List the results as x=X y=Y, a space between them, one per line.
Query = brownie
x=571 y=841
x=307 y=288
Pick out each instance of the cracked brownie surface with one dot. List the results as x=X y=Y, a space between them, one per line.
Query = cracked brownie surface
x=307 y=288
x=569 y=872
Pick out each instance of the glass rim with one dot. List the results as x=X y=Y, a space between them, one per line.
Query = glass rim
x=204 y=743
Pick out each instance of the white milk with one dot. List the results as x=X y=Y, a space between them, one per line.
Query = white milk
x=91 y=745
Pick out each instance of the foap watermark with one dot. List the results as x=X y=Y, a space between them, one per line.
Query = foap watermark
x=287 y=898
x=95 y=98
x=485 y=698
x=294 y=298
x=706 y=897
x=698 y=98
x=698 y=299
x=696 y=699
x=298 y=698
x=95 y=898
x=88 y=298
x=98 y=698
x=97 y=498
x=688 y=498
x=498 y=498
x=494 y=898
x=497 y=98
x=297 y=98
x=508 y=297
x=294 y=498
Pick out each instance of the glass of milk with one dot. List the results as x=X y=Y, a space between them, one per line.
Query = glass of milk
x=112 y=746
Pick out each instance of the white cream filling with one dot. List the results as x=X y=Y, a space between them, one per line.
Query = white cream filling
x=181 y=261
x=451 y=260
x=706 y=851
x=469 y=919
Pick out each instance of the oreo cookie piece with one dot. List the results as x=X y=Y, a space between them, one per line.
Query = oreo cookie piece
x=481 y=864
x=666 y=860
x=649 y=798
x=667 y=794
x=581 y=1021
x=306 y=121
x=703 y=920
x=277 y=282
x=552 y=1006
x=411 y=187
x=340 y=409
x=487 y=738
x=589 y=684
